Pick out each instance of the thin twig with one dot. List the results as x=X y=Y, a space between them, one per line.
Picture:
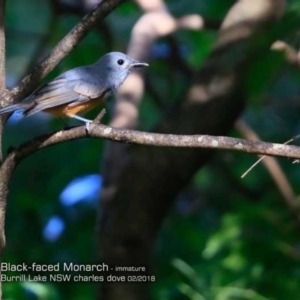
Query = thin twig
x=255 y=164
x=100 y=116
x=275 y=171
x=264 y=156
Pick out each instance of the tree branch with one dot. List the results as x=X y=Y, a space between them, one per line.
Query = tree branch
x=63 y=48
x=151 y=139
x=134 y=137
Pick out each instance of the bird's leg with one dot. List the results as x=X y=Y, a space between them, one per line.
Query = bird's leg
x=86 y=121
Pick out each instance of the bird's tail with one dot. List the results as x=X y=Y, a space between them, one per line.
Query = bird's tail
x=12 y=108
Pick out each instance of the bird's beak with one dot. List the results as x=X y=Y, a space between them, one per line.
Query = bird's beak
x=137 y=64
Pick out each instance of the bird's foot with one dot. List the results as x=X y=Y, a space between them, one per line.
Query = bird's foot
x=87 y=126
x=86 y=121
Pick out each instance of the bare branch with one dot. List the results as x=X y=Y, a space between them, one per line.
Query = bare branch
x=64 y=47
x=154 y=139
x=133 y=137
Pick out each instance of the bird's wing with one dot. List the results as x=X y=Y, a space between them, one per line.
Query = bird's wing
x=65 y=89
x=88 y=90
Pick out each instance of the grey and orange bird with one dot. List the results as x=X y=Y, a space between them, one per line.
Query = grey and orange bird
x=80 y=89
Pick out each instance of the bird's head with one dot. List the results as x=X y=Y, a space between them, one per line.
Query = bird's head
x=115 y=67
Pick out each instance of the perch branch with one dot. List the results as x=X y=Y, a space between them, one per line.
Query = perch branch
x=154 y=139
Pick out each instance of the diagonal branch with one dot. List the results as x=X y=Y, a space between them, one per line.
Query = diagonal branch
x=64 y=47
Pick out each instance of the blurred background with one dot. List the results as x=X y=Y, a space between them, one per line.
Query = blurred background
x=222 y=237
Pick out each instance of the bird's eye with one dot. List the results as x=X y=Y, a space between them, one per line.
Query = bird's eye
x=120 y=62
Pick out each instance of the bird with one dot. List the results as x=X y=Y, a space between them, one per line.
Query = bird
x=79 y=90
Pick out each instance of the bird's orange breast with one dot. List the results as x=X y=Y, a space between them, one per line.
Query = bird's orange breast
x=66 y=110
